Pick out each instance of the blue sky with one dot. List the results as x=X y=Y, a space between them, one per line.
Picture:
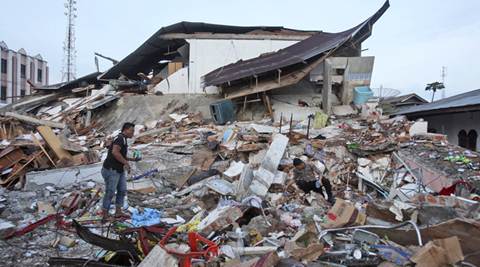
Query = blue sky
x=411 y=42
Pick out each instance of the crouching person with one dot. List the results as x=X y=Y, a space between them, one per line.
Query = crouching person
x=308 y=178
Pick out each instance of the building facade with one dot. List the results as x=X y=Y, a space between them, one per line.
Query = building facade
x=206 y=55
x=457 y=116
x=16 y=69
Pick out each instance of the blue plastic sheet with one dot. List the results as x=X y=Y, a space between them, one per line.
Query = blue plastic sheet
x=146 y=218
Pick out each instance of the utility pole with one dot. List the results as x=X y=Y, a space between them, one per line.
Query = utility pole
x=444 y=74
x=69 y=52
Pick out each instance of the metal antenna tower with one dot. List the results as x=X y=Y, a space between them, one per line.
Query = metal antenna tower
x=444 y=74
x=69 y=52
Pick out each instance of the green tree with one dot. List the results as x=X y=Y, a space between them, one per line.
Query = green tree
x=434 y=87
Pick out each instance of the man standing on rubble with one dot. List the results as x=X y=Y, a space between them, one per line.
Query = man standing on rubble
x=308 y=178
x=113 y=171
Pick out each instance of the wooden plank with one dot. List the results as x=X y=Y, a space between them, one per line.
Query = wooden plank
x=13 y=176
x=83 y=89
x=32 y=102
x=54 y=143
x=173 y=67
x=37 y=142
x=269 y=105
x=35 y=121
x=10 y=156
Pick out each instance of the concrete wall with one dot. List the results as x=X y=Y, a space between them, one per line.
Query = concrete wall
x=452 y=123
x=357 y=72
x=141 y=109
x=209 y=54
x=175 y=83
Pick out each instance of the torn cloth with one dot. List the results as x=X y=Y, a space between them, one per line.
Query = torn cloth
x=146 y=218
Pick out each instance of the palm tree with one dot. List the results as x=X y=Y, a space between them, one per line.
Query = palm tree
x=434 y=87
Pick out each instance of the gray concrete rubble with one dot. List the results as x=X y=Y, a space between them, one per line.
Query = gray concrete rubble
x=385 y=175
x=283 y=159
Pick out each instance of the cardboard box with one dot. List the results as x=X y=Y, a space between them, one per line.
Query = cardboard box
x=439 y=252
x=343 y=213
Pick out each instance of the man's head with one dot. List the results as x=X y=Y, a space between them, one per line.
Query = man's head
x=298 y=163
x=128 y=129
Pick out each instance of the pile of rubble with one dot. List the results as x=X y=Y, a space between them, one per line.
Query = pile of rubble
x=212 y=195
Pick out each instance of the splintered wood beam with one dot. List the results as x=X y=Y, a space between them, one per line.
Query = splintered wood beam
x=54 y=143
x=37 y=142
x=35 y=121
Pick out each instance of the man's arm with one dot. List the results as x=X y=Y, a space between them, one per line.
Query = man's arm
x=118 y=156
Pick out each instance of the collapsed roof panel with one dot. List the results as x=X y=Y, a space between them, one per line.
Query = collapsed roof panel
x=79 y=82
x=154 y=49
x=319 y=43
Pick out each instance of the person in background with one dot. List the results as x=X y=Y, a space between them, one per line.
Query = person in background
x=308 y=178
x=113 y=171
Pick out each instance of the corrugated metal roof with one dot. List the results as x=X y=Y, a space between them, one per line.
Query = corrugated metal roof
x=79 y=82
x=154 y=48
x=403 y=98
x=467 y=99
x=294 y=54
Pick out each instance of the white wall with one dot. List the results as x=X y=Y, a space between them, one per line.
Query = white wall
x=451 y=124
x=209 y=54
x=177 y=83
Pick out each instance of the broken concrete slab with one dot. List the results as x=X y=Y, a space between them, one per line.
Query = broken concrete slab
x=280 y=178
x=221 y=186
x=275 y=153
x=244 y=182
x=418 y=128
x=235 y=169
x=219 y=218
x=6 y=228
x=262 y=128
x=262 y=181
x=344 y=110
x=266 y=173
x=64 y=177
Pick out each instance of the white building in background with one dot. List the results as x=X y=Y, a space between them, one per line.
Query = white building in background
x=16 y=69
x=184 y=52
x=206 y=55
x=457 y=116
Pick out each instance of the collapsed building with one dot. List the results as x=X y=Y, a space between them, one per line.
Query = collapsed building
x=248 y=63
x=208 y=194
